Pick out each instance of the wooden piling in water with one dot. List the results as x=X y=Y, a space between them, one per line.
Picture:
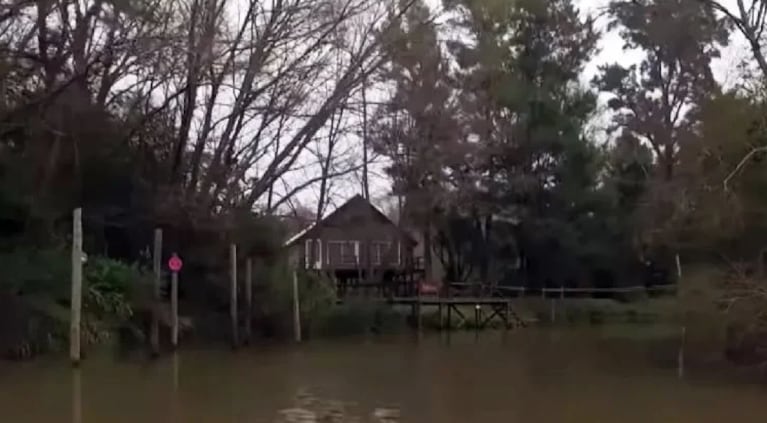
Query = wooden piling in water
x=154 y=336
x=174 y=309
x=233 y=295
x=248 y=299
x=296 y=309
x=77 y=287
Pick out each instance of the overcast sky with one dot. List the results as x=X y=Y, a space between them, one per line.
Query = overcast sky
x=611 y=45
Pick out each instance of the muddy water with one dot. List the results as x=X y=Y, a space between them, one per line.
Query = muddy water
x=531 y=375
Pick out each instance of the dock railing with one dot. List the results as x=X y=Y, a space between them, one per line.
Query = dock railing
x=402 y=288
x=453 y=289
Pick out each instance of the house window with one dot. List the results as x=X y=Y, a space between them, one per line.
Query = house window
x=380 y=251
x=350 y=252
x=343 y=252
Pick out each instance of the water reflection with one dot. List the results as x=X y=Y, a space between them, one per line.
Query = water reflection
x=680 y=357
x=77 y=396
x=310 y=408
x=531 y=375
x=174 y=396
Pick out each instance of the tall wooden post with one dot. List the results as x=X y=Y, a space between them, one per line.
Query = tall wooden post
x=154 y=336
x=296 y=309
x=233 y=297
x=174 y=309
x=77 y=287
x=248 y=299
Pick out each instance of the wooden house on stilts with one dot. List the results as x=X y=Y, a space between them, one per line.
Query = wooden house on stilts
x=359 y=247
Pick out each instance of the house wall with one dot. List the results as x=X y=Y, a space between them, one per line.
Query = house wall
x=341 y=252
x=349 y=233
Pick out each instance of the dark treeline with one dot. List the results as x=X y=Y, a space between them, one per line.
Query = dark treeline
x=194 y=115
x=523 y=174
x=535 y=177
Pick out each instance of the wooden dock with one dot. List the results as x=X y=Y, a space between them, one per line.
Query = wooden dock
x=486 y=302
x=485 y=309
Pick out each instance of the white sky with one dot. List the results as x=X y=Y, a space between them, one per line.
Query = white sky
x=611 y=46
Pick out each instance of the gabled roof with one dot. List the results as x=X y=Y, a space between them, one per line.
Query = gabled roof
x=300 y=234
x=356 y=200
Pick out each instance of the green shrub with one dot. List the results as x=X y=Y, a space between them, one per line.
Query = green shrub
x=360 y=317
x=350 y=318
x=274 y=301
x=112 y=293
x=29 y=272
x=321 y=315
x=36 y=289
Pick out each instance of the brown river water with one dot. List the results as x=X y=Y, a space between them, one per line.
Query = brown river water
x=530 y=375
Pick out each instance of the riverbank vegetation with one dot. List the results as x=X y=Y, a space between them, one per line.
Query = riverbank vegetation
x=520 y=158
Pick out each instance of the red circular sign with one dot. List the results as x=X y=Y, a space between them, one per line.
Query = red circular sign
x=175 y=263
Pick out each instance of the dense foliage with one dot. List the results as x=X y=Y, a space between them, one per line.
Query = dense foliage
x=201 y=116
x=491 y=138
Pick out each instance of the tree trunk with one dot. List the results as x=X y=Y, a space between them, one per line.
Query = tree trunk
x=365 y=181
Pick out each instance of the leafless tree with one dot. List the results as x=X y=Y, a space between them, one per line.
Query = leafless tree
x=750 y=19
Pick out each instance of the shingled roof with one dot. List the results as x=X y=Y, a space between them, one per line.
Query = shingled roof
x=356 y=201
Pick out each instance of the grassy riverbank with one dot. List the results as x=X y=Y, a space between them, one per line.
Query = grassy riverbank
x=597 y=310
x=116 y=308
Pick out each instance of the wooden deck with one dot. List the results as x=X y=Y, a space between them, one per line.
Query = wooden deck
x=484 y=310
